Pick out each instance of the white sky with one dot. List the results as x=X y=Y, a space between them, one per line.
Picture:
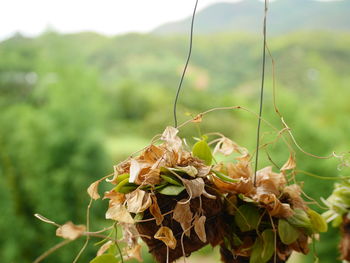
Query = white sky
x=32 y=17
x=104 y=16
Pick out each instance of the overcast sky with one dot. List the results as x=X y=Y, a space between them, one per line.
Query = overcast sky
x=105 y=16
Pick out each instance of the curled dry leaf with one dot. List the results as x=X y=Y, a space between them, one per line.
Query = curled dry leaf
x=243 y=186
x=199 y=228
x=70 y=231
x=104 y=247
x=166 y=235
x=170 y=137
x=138 y=201
x=155 y=210
x=115 y=197
x=195 y=187
x=183 y=215
x=241 y=169
x=290 y=164
x=93 y=190
x=153 y=153
x=225 y=146
x=151 y=178
x=275 y=207
x=118 y=212
x=270 y=182
x=294 y=193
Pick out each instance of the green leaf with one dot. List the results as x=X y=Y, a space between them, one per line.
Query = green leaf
x=127 y=188
x=202 y=150
x=107 y=258
x=288 y=233
x=224 y=177
x=247 y=217
x=121 y=184
x=171 y=179
x=300 y=219
x=263 y=248
x=172 y=190
x=317 y=221
x=122 y=177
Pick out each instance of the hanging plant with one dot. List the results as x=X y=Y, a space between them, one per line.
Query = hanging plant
x=339 y=214
x=179 y=200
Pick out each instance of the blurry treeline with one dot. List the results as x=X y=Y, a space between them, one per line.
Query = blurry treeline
x=74 y=105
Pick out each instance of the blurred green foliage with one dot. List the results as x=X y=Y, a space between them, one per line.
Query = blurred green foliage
x=74 y=105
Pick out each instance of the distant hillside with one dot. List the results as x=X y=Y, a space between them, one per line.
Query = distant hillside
x=284 y=16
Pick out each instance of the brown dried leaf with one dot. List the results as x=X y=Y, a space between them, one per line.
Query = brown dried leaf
x=138 y=201
x=134 y=252
x=118 y=212
x=104 y=248
x=274 y=206
x=294 y=193
x=121 y=168
x=199 y=228
x=93 y=190
x=115 y=197
x=183 y=215
x=151 y=178
x=70 y=231
x=152 y=154
x=166 y=235
x=301 y=245
x=269 y=182
x=155 y=210
x=195 y=187
x=244 y=186
x=290 y=164
x=241 y=169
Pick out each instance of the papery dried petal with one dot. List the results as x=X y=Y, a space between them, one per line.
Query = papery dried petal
x=70 y=231
x=166 y=235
